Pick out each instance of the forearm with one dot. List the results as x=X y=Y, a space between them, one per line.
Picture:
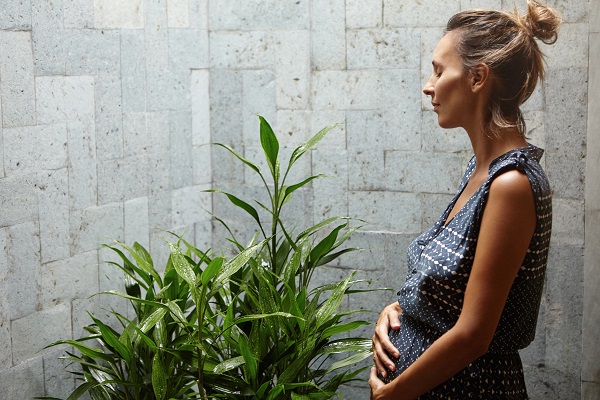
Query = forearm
x=448 y=355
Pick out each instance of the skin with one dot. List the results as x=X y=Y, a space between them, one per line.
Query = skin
x=460 y=99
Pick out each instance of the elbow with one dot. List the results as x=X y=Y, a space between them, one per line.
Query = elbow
x=474 y=343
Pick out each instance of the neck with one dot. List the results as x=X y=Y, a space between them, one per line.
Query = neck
x=488 y=147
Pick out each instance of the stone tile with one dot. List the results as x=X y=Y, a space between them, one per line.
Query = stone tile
x=405 y=13
x=159 y=135
x=200 y=107
x=58 y=381
x=564 y=307
x=5 y=313
x=422 y=172
x=566 y=173
x=594 y=17
x=109 y=123
x=263 y=15
x=336 y=137
x=550 y=383
x=17 y=86
x=482 y=4
x=376 y=208
x=328 y=35
x=438 y=139
x=156 y=35
x=331 y=192
x=241 y=49
x=23 y=381
x=69 y=278
x=23 y=276
x=54 y=215
x=432 y=207
x=383 y=48
x=190 y=205
x=361 y=14
x=122 y=179
x=591 y=311
x=93 y=226
x=258 y=99
x=125 y=14
x=593 y=125
x=371 y=256
x=347 y=90
x=181 y=149
x=198 y=14
x=385 y=129
x=31 y=333
x=16 y=15
x=133 y=70
x=159 y=188
x=568 y=221
x=590 y=390
x=226 y=103
x=292 y=128
x=188 y=48
x=202 y=165
x=49 y=54
x=366 y=169
x=571 y=48
x=33 y=148
x=61 y=99
x=571 y=11
x=79 y=97
x=292 y=69
x=105 y=59
x=137 y=228
x=396 y=263
x=19 y=199
x=178 y=13
x=167 y=90
x=135 y=134
x=1 y=145
x=78 y=14
x=83 y=181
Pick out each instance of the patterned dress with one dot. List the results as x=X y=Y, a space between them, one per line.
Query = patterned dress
x=439 y=265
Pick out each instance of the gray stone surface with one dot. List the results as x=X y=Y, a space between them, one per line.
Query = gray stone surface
x=328 y=45
x=16 y=14
x=23 y=381
x=48 y=34
x=133 y=70
x=54 y=215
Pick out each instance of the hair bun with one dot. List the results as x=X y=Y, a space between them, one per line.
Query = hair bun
x=542 y=21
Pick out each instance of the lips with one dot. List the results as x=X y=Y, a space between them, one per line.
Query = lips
x=435 y=106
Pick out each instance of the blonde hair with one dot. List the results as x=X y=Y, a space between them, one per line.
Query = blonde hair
x=506 y=43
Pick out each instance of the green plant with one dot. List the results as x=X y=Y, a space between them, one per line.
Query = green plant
x=248 y=327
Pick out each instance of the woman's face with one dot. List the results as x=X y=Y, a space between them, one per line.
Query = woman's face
x=449 y=85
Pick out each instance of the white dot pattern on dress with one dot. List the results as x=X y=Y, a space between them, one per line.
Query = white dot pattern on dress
x=440 y=262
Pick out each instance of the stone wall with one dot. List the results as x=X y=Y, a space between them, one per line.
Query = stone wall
x=105 y=107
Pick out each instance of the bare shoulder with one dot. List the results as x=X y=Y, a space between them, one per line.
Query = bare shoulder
x=511 y=185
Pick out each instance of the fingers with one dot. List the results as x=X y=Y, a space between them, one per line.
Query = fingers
x=374 y=382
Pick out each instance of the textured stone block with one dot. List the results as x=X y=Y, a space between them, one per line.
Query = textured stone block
x=70 y=278
x=371 y=256
x=331 y=192
x=135 y=134
x=1 y=145
x=405 y=13
x=182 y=169
x=23 y=276
x=336 y=137
x=61 y=99
x=481 y=4
x=105 y=59
x=159 y=136
x=346 y=90
x=396 y=263
x=366 y=169
x=188 y=48
x=292 y=69
x=83 y=184
x=262 y=15
x=241 y=50
x=361 y=14
x=178 y=13
x=17 y=84
x=591 y=309
x=33 y=148
x=58 y=381
x=376 y=207
x=49 y=52
x=572 y=11
x=437 y=139
x=49 y=98
x=571 y=48
x=16 y=15
x=198 y=14
x=387 y=129
x=95 y=225
x=122 y=179
x=293 y=127
x=54 y=215
x=31 y=333
x=24 y=381
x=567 y=221
x=422 y=172
x=133 y=70
x=200 y=106
x=328 y=35
x=432 y=207
x=594 y=18
x=126 y=14
x=5 y=351
x=190 y=205
x=168 y=90
x=202 y=165
x=590 y=390
x=78 y=14
x=136 y=224
x=159 y=187
x=383 y=48
x=19 y=199
x=550 y=383
x=109 y=125
x=258 y=99
x=566 y=173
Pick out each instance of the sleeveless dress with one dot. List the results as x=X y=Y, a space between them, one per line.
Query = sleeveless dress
x=439 y=265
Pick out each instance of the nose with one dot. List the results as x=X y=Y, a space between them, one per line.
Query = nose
x=428 y=88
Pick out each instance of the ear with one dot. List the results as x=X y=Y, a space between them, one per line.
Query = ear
x=480 y=77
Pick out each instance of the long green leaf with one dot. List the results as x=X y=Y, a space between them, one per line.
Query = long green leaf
x=270 y=144
x=239 y=203
x=242 y=159
x=229 y=364
x=181 y=265
x=290 y=189
x=159 y=379
x=310 y=143
x=112 y=340
x=342 y=328
x=212 y=269
x=333 y=302
x=350 y=360
x=233 y=265
x=346 y=345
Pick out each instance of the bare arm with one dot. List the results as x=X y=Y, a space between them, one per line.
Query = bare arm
x=506 y=229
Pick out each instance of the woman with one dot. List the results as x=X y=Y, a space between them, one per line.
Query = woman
x=471 y=297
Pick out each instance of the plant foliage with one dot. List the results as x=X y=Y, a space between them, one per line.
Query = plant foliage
x=251 y=326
